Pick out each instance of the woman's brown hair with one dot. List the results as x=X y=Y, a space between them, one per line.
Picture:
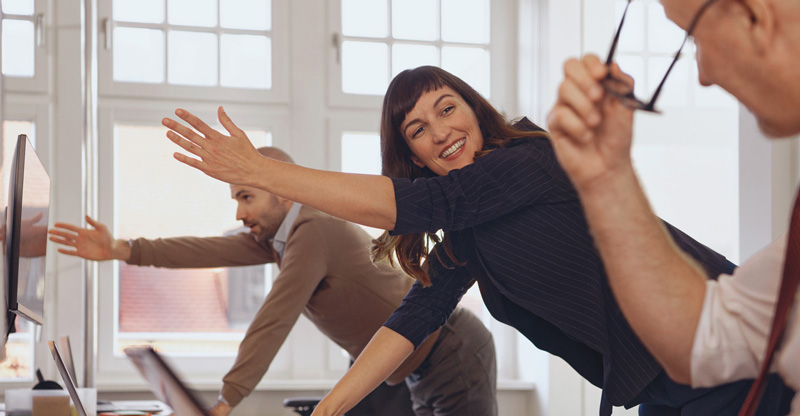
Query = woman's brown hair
x=412 y=250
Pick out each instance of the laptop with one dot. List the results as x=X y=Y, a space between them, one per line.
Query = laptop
x=164 y=383
x=62 y=369
x=69 y=382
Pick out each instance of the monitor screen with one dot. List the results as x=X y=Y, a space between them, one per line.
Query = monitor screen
x=26 y=232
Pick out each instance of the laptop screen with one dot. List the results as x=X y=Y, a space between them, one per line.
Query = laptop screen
x=62 y=369
x=164 y=383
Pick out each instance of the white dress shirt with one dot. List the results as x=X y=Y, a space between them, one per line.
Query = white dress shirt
x=737 y=313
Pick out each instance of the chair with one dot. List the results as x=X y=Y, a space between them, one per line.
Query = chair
x=302 y=405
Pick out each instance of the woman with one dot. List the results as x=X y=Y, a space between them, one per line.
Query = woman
x=511 y=221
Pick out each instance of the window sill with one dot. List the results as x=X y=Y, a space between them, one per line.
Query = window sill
x=118 y=386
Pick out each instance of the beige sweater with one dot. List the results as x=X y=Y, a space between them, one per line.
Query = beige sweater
x=326 y=274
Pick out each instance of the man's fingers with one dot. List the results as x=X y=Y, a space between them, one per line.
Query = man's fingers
x=617 y=73
x=63 y=234
x=62 y=241
x=68 y=252
x=578 y=73
x=595 y=66
x=564 y=122
x=66 y=226
x=93 y=223
x=228 y=123
x=571 y=95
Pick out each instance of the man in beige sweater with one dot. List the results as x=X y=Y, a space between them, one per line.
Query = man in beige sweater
x=327 y=275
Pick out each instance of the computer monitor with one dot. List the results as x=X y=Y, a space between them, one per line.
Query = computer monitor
x=26 y=233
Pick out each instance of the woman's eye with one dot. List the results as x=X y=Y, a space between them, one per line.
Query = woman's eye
x=448 y=109
x=418 y=131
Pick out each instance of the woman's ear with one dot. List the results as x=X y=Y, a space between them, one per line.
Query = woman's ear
x=417 y=162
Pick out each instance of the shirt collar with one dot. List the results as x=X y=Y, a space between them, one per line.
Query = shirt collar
x=279 y=241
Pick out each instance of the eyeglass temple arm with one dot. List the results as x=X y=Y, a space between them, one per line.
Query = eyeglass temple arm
x=689 y=32
x=616 y=36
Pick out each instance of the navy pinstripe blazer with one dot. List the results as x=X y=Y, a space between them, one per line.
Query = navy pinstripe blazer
x=516 y=219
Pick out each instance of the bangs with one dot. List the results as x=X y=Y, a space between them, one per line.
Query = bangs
x=405 y=90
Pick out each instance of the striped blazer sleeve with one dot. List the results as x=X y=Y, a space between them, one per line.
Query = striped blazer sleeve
x=501 y=182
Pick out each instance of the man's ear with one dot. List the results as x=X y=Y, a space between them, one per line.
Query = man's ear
x=417 y=162
x=762 y=22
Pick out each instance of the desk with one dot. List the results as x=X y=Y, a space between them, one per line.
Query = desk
x=126 y=405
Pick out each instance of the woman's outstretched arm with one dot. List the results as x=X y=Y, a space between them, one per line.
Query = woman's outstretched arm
x=385 y=352
x=363 y=199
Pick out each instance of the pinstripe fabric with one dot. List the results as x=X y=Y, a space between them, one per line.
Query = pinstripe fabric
x=520 y=226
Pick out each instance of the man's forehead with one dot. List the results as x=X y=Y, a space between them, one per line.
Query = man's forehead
x=238 y=189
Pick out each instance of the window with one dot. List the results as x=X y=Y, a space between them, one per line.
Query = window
x=196 y=316
x=375 y=40
x=188 y=304
x=24 y=45
x=154 y=56
x=229 y=48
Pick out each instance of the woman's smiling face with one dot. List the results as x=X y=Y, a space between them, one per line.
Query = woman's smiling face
x=442 y=131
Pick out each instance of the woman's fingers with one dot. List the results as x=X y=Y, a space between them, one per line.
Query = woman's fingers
x=228 y=123
x=195 y=122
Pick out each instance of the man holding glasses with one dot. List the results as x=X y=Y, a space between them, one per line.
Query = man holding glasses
x=703 y=332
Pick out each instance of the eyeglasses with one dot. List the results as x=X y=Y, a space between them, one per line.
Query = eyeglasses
x=621 y=89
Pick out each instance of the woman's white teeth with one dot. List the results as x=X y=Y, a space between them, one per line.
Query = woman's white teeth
x=452 y=149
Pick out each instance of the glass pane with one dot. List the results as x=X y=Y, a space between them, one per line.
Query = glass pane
x=663 y=35
x=469 y=64
x=21 y=7
x=191 y=303
x=361 y=153
x=676 y=89
x=632 y=37
x=365 y=67
x=465 y=21
x=411 y=56
x=192 y=12
x=192 y=58
x=139 y=11
x=246 y=14
x=415 y=19
x=138 y=55
x=246 y=61
x=634 y=66
x=18 y=48
x=368 y=18
x=18 y=364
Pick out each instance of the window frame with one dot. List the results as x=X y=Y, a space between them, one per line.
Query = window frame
x=42 y=41
x=502 y=76
x=278 y=93
x=115 y=370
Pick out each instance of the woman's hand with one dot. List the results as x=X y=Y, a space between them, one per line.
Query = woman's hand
x=591 y=130
x=232 y=159
x=91 y=244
